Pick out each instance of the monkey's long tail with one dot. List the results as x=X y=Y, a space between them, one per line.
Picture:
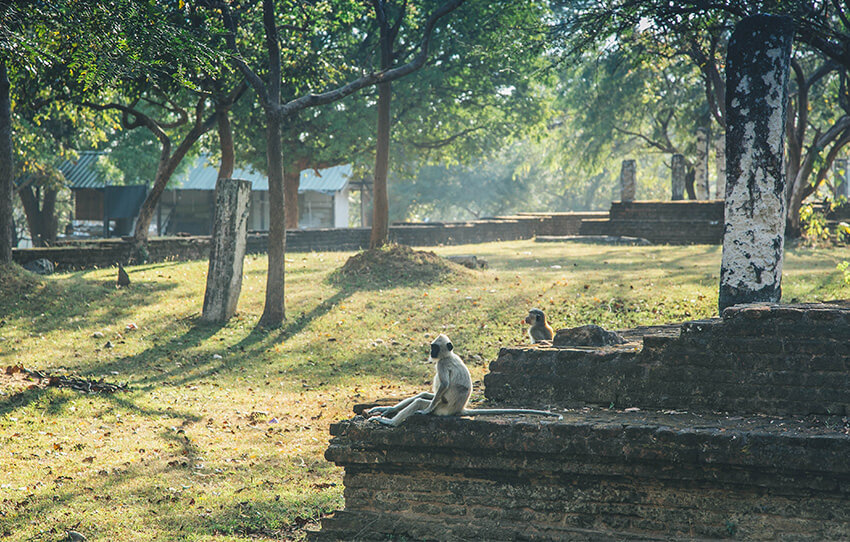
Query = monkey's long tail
x=488 y=411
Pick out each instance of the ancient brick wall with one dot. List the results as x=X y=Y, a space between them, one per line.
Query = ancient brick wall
x=564 y=223
x=670 y=222
x=107 y=252
x=757 y=359
x=726 y=428
x=593 y=476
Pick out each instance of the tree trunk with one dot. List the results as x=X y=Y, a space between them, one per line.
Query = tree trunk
x=40 y=212
x=274 y=311
x=225 y=141
x=167 y=164
x=49 y=219
x=793 y=227
x=380 y=202
x=6 y=167
x=29 y=201
x=163 y=174
x=690 y=176
x=291 y=181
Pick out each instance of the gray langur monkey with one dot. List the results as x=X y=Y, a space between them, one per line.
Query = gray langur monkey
x=540 y=330
x=452 y=388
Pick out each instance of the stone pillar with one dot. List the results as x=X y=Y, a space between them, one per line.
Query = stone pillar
x=677 y=177
x=720 y=160
x=757 y=65
x=701 y=167
x=366 y=207
x=628 y=186
x=227 y=249
x=842 y=187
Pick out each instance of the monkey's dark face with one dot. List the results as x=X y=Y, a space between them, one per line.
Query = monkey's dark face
x=441 y=344
x=535 y=316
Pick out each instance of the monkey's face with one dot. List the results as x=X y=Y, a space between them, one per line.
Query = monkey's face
x=535 y=316
x=441 y=347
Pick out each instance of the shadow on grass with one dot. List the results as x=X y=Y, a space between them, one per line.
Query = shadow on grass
x=244 y=352
x=56 y=304
x=272 y=517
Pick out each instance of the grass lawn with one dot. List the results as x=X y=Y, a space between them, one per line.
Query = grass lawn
x=221 y=436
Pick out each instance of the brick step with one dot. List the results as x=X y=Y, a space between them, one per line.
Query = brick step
x=667 y=231
x=667 y=210
x=774 y=359
x=595 y=475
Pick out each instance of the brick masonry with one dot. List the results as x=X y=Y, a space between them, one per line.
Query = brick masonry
x=732 y=428
x=107 y=252
x=680 y=223
x=593 y=476
x=663 y=222
x=774 y=359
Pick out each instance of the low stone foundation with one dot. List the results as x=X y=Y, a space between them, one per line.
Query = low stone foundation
x=773 y=359
x=670 y=222
x=725 y=428
x=596 y=475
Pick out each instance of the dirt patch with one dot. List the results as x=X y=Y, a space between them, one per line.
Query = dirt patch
x=395 y=265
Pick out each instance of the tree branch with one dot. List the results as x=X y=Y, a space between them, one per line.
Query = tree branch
x=438 y=143
x=650 y=142
x=235 y=57
x=309 y=100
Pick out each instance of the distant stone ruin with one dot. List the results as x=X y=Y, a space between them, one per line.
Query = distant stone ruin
x=628 y=183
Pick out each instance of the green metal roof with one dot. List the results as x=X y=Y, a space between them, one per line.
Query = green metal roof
x=80 y=173
x=202 y=176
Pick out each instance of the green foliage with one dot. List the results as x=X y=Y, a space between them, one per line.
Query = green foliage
x=844 y=268
x=814 y=223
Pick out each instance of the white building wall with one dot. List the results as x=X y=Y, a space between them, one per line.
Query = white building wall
x=315 y=210
x=341 y=208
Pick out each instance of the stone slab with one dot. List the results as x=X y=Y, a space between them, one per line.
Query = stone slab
x=757 y=359
x=596 y=475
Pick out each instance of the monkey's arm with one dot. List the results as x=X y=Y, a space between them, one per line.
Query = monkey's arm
x=444 y=377
x=493 y=411
x=438 y=396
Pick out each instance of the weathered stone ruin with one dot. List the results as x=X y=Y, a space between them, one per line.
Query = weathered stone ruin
x=723 y=428
x=628 y=182
x=227 y=252
x=735 y=427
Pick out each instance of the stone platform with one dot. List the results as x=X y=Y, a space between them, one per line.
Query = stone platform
x=772 y=359
x=725 y=428
x=596 y=475
x=670 y=222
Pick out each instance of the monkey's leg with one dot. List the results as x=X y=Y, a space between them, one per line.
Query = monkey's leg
x=390 y=410
x=411 y=408
x=494 y=411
